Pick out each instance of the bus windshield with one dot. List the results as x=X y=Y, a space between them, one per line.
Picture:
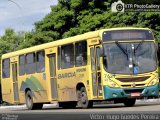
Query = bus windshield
x=130 y=58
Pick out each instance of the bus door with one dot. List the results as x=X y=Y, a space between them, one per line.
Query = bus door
x=52 y=74
x=96 y=71
x=15 y=82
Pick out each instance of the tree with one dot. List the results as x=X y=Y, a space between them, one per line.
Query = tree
x=10 y=41
x=73 y=17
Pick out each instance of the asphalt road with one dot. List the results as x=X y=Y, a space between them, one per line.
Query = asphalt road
x=141 y=105
x=140 y=111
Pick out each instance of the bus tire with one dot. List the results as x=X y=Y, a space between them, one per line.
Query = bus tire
x=83 y=101
x=29 y=102
x=130 y=102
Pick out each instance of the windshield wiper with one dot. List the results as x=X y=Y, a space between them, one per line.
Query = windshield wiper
x=138 y=46
x=122 y=49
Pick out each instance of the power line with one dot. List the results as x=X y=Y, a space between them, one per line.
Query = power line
x=20 y=8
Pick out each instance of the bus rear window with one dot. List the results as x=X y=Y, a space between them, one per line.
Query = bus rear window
x=6 y=68
x=116 y=35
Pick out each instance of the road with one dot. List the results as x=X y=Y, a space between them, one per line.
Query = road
x=51 y=111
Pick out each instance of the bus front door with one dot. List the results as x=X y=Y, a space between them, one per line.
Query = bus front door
x=96 y=72
x=53 y=79
x=15 y=82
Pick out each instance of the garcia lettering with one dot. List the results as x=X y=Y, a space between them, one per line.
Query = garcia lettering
x=66 y=75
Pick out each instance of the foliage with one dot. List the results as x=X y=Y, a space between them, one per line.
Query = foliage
x=73 y=17
x=10 y=41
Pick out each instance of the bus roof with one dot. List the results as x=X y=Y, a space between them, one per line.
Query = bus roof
x=52 y=44
x=87 y=35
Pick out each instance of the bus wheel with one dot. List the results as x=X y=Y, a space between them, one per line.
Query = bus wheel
x=29 y=102
x=83 y=99
x=129 y=102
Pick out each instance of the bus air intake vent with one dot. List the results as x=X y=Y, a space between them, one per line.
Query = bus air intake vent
x=129 y=91
x=136 y=85
x=136 y=79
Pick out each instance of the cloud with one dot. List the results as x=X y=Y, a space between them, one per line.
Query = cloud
x=22 y=14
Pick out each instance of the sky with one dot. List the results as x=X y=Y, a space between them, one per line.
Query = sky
x=22 y=14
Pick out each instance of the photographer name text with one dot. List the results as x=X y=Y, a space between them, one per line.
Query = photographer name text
x=95 y=116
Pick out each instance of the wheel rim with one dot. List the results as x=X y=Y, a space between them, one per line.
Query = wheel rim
x=29 y=101
x=83 y=98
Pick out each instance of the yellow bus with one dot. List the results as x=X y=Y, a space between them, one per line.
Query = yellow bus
x=117 y=64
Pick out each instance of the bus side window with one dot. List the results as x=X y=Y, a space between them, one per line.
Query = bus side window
x=21 y=65
x=6 y=68
x=67 y=56
x=30 y=63
x=40 y=61
x=81 y=53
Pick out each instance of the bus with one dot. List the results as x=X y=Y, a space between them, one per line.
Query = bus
x=116 y=64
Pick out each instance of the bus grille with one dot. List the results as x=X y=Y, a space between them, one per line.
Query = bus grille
x=136 y=85
x=133 y=90
x=136 y=79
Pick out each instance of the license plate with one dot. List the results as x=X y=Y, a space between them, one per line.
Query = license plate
x=136 y=94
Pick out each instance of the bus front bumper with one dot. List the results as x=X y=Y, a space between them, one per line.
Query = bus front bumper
x=150 y=91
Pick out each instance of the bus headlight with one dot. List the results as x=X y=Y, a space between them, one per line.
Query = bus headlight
x=153 y=82
x=112 y=84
